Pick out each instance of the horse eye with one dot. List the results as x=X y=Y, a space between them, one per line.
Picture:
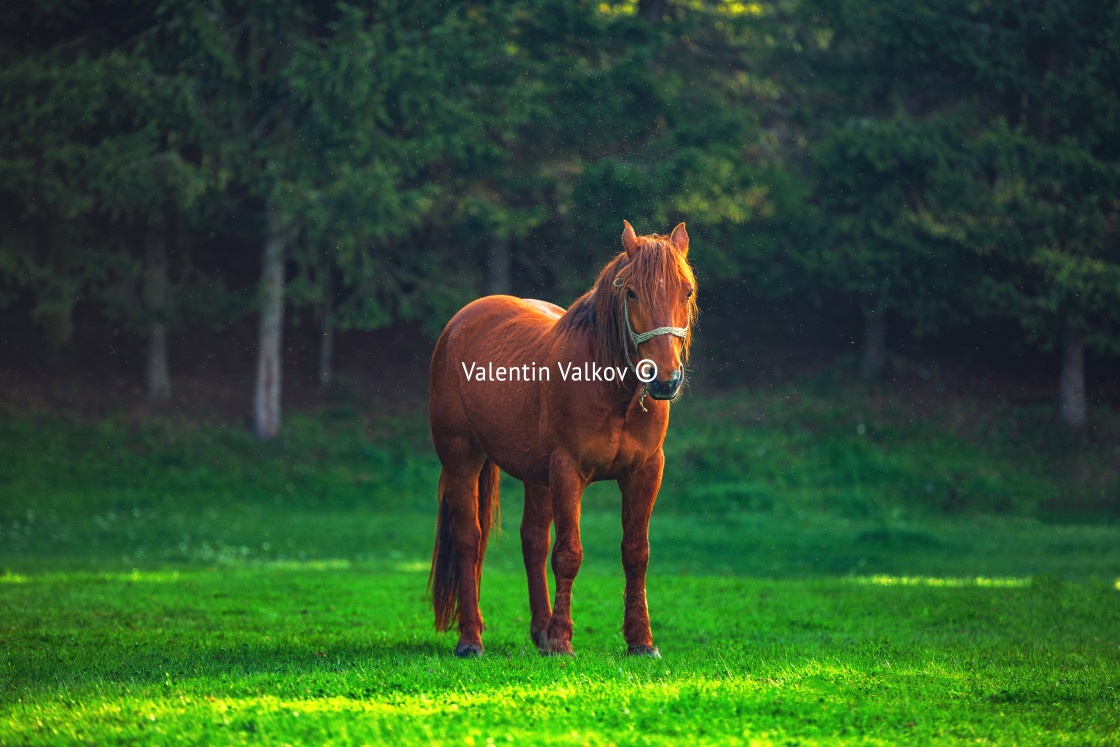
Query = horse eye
x=631 y=294
x=689 y=294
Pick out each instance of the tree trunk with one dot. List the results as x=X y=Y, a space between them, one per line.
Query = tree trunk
x=1072 y=404
x=498 y=269
x=873 y=361
x=326 y=342
x=157 y=299
x=266 y=398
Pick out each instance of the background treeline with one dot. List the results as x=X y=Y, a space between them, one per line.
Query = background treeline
x=936 y=164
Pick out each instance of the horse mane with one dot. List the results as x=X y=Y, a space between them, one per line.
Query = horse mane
x=600 y=310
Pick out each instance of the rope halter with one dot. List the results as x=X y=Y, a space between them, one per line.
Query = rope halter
x=639 y=338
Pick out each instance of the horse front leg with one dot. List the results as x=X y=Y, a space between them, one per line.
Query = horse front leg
x=536 y=522
x=566 y=487
x=639 y=491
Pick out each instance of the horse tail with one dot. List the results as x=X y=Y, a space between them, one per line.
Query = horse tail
x=489 y=509
x=443 y=580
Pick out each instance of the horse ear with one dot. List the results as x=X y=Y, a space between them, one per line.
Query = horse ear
x=680 y=239
x=629 y=240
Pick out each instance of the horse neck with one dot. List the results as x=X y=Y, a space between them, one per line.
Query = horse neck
x=578 y=347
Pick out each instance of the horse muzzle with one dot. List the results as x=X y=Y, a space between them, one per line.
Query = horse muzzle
x=666 y=389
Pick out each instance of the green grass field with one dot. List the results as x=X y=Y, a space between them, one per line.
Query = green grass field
x=820 y=573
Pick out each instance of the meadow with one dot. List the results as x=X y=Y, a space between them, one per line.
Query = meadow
x=824 y=570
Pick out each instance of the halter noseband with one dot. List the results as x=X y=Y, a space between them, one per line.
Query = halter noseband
x=638 y=339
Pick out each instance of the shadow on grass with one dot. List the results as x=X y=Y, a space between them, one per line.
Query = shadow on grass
x=89 y=662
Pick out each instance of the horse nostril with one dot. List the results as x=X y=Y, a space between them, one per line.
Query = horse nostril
x=675 y=379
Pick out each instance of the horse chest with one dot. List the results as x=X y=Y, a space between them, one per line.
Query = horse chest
x=615 y=448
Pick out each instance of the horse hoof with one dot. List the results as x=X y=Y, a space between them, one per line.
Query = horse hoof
x=468 y=650
x=540 y=637
x=649 y=651
x=558 y=648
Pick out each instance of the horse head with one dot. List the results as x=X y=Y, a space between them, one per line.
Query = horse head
x=655 y=297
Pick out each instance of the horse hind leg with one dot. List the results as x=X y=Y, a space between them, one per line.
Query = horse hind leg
x=460 y=547
x=535 y=526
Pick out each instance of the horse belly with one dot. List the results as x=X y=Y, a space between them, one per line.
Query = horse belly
x=504 y=419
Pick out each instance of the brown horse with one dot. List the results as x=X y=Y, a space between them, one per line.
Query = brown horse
x=553 y=399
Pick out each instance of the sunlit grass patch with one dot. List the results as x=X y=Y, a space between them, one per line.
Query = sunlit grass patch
x=863 y=694
x=328 y=564
x=415 y=566
x=978 y=581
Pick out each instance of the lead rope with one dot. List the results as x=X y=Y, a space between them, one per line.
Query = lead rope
x=638 y=339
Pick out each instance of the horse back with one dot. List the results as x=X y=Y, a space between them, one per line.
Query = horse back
x=486 y=378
